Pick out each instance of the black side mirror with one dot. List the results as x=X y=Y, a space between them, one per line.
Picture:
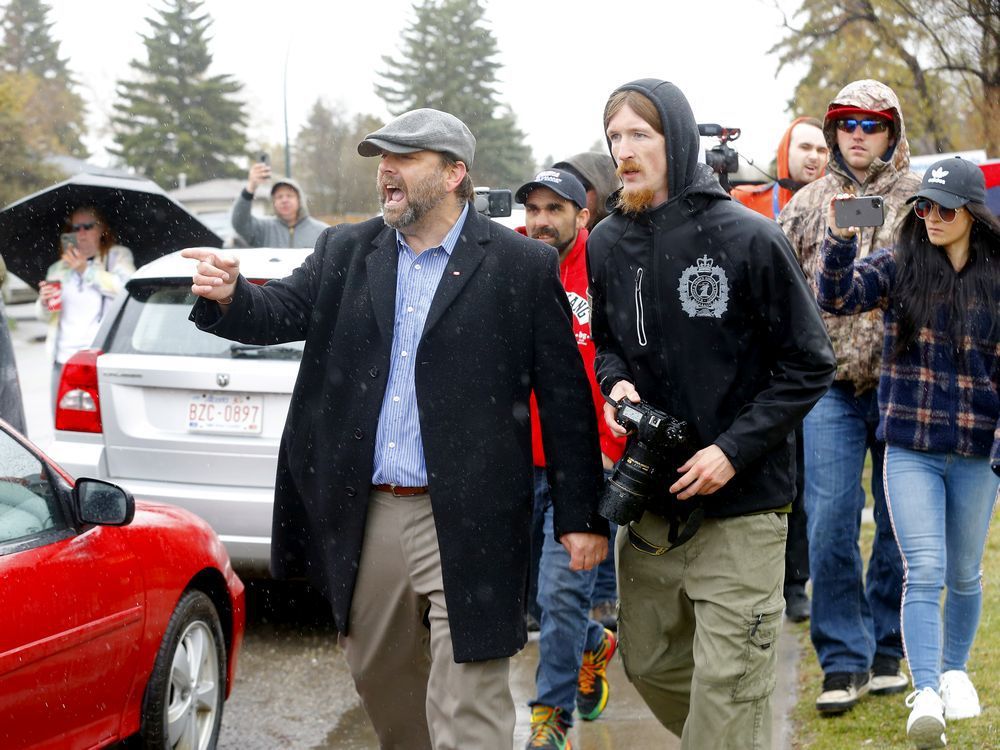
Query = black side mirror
x=103 y=503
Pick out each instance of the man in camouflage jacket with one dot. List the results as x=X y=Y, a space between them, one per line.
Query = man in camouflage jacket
x=855 y=624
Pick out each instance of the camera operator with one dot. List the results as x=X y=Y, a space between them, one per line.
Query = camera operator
x=291 y=225
x=700 y=307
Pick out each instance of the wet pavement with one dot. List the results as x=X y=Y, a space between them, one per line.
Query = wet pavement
x=293 y=689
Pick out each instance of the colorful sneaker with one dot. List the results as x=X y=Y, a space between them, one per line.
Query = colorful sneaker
x=592 y=689
x=961 y=701
x=887 y=677
x=925 y=727
x=548 y=729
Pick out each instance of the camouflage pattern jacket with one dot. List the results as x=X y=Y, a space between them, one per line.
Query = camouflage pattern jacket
x=857 y=339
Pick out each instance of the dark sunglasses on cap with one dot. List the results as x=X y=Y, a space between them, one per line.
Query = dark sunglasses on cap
x=84 y=225
x=867 y=126
x=922 y=207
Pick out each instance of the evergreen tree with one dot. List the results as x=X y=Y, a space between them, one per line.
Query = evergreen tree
x=28 y=45
x=175 y=117
x=448 y=61
x=336 y=179
x=53 y=115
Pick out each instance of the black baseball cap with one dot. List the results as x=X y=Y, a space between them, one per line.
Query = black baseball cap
x=952 y=183
x=560 y=182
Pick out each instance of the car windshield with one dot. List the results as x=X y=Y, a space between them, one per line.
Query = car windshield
x=155 y=321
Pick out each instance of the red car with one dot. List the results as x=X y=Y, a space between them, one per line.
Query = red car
x=118 y=618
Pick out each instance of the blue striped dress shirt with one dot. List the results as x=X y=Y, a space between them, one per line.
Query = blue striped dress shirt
x=399 y=452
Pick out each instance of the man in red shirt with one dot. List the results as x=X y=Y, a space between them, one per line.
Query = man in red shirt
x=574 y=650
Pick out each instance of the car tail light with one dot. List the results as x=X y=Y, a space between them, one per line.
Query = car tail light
x=78 y=404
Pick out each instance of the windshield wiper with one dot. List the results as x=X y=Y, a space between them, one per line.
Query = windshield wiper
x=270 y=351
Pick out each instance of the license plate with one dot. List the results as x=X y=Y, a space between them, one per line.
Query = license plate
x=227 y=413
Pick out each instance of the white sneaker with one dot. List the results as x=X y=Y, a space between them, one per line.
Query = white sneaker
x=925 y=727
x=961 y=701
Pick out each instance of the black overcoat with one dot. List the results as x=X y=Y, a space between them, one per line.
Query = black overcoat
x=498 y=328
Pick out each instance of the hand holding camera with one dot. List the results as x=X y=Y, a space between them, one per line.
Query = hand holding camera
x=652 y=437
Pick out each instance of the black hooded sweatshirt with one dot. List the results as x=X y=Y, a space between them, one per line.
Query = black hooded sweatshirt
x=700 y=303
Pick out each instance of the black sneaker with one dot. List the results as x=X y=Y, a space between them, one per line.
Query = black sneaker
x=796 y=603
x=887 y=677
x=841 y=691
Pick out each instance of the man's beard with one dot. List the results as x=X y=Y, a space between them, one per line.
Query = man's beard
x=633 y=201
x=423 y=197
x=551 y=236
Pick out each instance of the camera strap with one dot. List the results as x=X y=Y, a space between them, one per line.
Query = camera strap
x=676 y=535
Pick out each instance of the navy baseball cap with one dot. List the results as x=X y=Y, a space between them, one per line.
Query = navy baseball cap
x=560 y=182
x=952 y=183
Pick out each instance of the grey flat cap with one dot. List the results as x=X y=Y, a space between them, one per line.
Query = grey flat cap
x=422 y=130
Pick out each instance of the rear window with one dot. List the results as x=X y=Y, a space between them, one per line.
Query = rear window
x=155 y=321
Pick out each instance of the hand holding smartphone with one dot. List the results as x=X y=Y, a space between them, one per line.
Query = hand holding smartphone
x=862 y=211
x=67 y=241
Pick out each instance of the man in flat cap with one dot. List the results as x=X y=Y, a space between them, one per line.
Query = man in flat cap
x=404 y=486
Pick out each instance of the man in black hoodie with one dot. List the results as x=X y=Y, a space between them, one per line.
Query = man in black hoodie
x=700 y=307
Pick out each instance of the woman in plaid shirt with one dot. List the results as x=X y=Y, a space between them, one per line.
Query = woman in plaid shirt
x=939 y=403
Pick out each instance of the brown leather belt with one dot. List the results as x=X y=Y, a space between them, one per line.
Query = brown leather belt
x=398 y=491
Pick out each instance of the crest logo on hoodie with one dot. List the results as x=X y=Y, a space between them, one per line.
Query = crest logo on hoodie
x=938 y=175
x=704 y=290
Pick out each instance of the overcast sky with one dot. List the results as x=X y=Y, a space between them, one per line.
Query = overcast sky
x=558 y=64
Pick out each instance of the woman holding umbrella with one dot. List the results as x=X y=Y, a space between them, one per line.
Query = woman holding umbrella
x=91 y=271
x=939 y=403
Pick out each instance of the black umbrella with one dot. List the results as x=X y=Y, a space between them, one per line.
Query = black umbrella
x=147 y=221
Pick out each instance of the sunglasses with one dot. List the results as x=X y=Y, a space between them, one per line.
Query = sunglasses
x=922 y=207
x=867 y=126
x=85 y=225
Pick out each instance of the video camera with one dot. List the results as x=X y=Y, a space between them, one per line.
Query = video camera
x=493 y=203
x=721 y=158
x=652 y=435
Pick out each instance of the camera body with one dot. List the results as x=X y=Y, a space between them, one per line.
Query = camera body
x=652 y=435
x=722 y=159
x=493 y=203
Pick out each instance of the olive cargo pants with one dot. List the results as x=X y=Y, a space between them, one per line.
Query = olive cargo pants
x=699 y=626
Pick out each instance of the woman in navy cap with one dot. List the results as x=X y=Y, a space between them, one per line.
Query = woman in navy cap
x=939 y=408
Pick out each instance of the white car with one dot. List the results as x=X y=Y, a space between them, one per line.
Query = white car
x=178 y=415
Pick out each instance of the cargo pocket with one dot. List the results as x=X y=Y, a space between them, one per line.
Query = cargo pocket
x=760 y=655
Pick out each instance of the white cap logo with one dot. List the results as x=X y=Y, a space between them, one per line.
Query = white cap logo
x=938 y=175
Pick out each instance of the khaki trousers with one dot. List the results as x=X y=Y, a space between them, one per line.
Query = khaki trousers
x=699 y=627
x=405 y=672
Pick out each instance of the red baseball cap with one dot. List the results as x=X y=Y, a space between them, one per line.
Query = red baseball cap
x=836 y=113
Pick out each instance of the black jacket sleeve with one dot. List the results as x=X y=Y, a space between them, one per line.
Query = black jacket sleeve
x=803 y=360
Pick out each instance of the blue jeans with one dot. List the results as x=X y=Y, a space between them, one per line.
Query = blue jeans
x=853 y=617
x=567 y=630
x=941 y=506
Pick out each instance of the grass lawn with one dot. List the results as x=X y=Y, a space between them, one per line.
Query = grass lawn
x=879 y=723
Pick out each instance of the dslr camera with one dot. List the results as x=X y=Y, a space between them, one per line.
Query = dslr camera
x=652 y=435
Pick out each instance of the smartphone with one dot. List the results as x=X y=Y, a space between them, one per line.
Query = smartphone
x=67 y=240
x=864 y=211
x=264 y=158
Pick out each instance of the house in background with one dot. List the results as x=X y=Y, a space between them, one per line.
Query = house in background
x=212 y=202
